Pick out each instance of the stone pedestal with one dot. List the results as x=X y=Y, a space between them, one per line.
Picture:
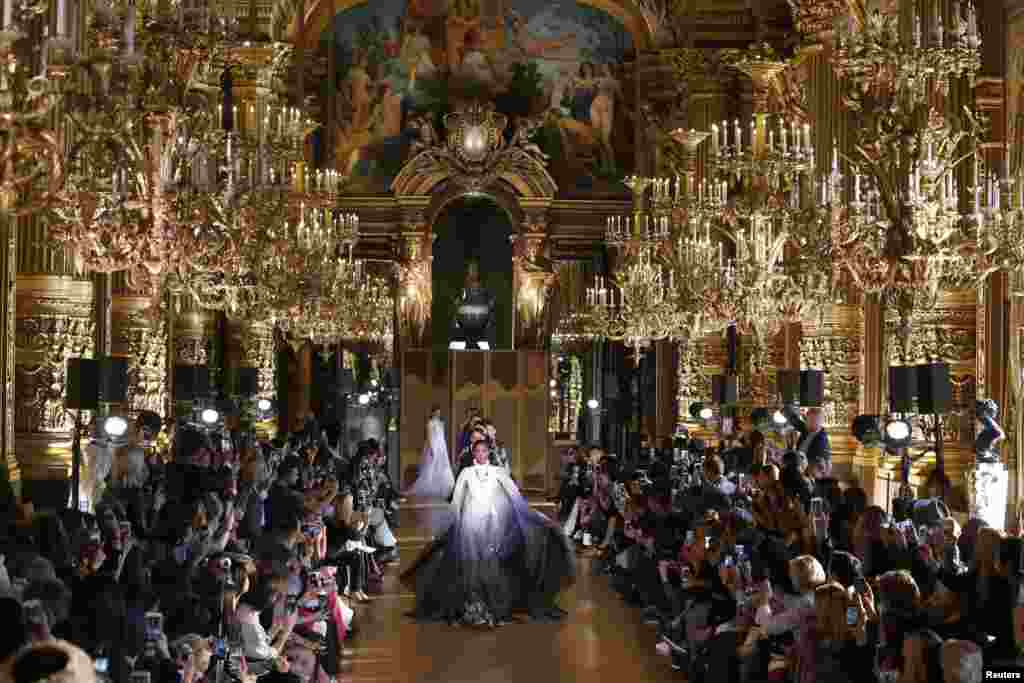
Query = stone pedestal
x=988 y=487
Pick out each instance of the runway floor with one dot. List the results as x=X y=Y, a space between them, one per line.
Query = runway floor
x=602 y=636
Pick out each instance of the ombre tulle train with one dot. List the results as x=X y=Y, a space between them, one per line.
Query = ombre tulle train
x=495 y=556
x=435 y=478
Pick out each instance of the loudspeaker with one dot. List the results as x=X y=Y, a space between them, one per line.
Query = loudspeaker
x=347 y=382
x=611 y=386
x=788 y=384
x=723 y=389
x=934 y=390
x=902 y=388
x=113 y=380
x=247 y=382
x=83 y=384
x=191 y=382
x=812 y=388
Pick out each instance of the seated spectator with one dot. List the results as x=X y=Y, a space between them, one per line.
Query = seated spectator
x=961 y=662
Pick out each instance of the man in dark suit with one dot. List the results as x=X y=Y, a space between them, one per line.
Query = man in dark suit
x=813 y=443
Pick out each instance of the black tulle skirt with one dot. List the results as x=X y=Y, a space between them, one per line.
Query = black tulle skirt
x=529 y=575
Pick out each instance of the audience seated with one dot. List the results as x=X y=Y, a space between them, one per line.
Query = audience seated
x=756 y=568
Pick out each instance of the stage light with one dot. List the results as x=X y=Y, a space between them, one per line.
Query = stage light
x=706 y=413
x=264 y=405
x=364 y=399
x=373 y=383
x=553 y=384
x=209 y=417
x=897 y=433
x=115 y=426
x=779 y=419
x=483 y=346
x=554 y=394
x=593 y=404
x=457 y=346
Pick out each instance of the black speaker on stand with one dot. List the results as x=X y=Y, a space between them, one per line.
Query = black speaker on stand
x=247 y=382
x=902 y=388
x=935 y=397
x=812 y=388
x=788 y=384
x=723 y=389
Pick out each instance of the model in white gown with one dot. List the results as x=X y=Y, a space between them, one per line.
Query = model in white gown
x=496 y=555
x=435 y=478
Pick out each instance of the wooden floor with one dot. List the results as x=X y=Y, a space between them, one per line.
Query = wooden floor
x=601 y=637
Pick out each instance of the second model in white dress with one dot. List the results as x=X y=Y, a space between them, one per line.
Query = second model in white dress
x=435 y=478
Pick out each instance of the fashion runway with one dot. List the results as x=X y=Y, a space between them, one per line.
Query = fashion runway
x=602 y=636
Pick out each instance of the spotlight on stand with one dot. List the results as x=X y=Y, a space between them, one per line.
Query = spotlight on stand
x=115 y=427
x=700 y=412
x=264 y=405
x=593 y=404
x=898 y=434
x=779 y=420
x=209 y=417
x=364 y=399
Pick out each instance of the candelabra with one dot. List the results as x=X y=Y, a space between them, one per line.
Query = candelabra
x=895 y=222
x=33 y=170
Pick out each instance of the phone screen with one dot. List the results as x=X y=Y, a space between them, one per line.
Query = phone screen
x=154 y=625
x=102 y=665
x=219 y=648
x=851 y=616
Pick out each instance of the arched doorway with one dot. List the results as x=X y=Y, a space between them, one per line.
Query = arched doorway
x=472 y=228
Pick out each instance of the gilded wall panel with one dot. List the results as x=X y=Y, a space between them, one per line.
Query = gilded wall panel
x=142 y=339
x=53 y=323
x=834 y=343
x=945 y=333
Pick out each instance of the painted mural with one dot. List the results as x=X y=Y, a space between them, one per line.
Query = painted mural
x=1015 y=90
x=402 y=62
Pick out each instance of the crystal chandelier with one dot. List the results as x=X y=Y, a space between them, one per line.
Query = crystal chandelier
x=894 y=222
x=33 y=172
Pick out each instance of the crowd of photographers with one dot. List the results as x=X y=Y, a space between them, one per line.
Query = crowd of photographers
x=227 y=559
x=754 y=564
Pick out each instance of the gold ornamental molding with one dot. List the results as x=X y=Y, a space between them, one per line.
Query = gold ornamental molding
x=534 y=276
x=475 y=157
x=834 y=343
x=251 y=344
x=193 y=337
x=140 y=338
x=53 y=323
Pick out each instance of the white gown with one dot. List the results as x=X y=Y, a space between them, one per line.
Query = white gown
x=496 y=556
x=435 y=479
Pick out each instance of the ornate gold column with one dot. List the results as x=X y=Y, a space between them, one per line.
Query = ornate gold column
x=946 y=333
x=835 y=344
x=250 y=344
x=414 y=273
x=192 y=337
x=140 y=335
x=8 y=275
x=533 y=274
x=53 y=322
